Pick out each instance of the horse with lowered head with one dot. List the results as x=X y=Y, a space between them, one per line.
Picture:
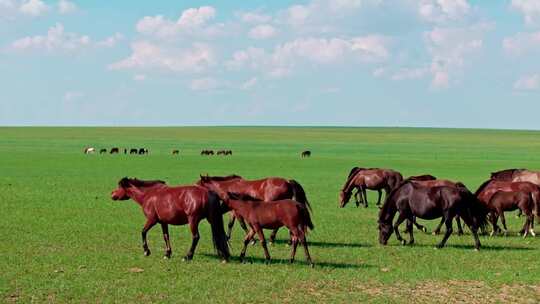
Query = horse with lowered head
x=175 y=206
x=266 y=189
x=413 y=200
x=373 y=179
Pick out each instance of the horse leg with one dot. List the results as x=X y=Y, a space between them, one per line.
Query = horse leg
x=364 y=192
x=531 y=225
x=418 y=226
x=438 y=229
x=230 y=226
x=400 y=220
x=448 y=222
x=273 y=235
x=379 y=199
x=263 y=243
x=474 y=231
x=410 y=228
x=358 y=198
x=459 y=227
x=149 y=224
x=244 y=227
x=306 y=251
x=168 y=250
x=494 y=218
x=194 y=227
x=293 y=248
x=503 y=220
x=247 y=239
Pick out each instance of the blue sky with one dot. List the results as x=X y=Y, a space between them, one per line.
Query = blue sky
x=424 y=63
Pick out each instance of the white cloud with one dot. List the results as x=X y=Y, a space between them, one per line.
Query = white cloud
x=73 y=95
x=255 y=17
x=33 y=8
x=440 y=11
x=263 y=31
x=56 y=39
x=193 y=22
x=529 y=82
x=147 y=55
x=530 y=10
x=298 y=14
x=139 y=77
x=522 y=43
x=204 y=84
x=250 y=83
x=66 y=7
x=110 y=41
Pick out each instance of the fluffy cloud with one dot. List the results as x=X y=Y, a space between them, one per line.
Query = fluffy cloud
x=530 y=10
x=57 y=39
x=263 y=31
x=34 y=8
x=147 y=55
x=449 y=48
x=522 y=43
x=66 y=7
x=440 y=11
x=193 y=21
x=255 y=17
x=529 y=82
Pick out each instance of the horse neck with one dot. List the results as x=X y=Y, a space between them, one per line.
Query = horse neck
x=349 y=184
x=138 y=194
x=388 y=210
x=240 y=207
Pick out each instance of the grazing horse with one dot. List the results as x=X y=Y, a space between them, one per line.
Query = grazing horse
x=175 y=152
x=221 y=152
x=228 y=152
x=115 y=151
x=89 y=150
x=413 y=200
x=509 y=201
x=373 y=179
x=306 y=153
x=133 y=151
x=261 y=215
x=143 y=151
x=102 y=151
x=207 y=152
x=517 y=175
x=266 y=189
x=175 y=206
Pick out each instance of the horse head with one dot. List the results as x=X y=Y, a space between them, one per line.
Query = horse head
x=120 y=193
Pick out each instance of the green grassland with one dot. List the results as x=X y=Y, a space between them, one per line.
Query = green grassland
x=64 y=240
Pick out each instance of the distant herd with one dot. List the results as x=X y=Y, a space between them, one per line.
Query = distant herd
x=274 y=202
x=145 y=151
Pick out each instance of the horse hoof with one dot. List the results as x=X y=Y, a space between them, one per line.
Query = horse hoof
x=403 y=242
x=311 y=265
x=476 y=249
x=224 y=261
x=435 y=233
x=187 y=258
x=146 y=252
x=424 y=229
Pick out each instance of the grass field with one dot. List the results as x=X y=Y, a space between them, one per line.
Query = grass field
x=64 y=240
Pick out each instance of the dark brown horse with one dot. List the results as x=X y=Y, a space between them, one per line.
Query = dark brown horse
x=373 y=179
x=261 y=215
x=509 y=201
x=306 y=153
x=413 y=200
x=175 y=152
x=114 y=150
x=175 y=206
x=266 y=189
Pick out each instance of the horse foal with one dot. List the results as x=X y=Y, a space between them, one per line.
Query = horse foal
x=510 y=201
x=261 y=215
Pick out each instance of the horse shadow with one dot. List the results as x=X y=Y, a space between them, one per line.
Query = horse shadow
x=281 y=261
x=330 y=244
x=471 y=247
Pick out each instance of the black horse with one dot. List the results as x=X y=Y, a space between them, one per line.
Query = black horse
x=412 y=200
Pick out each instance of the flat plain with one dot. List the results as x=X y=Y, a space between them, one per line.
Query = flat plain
x=64 y=240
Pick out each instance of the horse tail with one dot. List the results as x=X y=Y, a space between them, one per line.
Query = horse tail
x=305 y=216
x=216 y=223
x=477 y=211
x=299 y=194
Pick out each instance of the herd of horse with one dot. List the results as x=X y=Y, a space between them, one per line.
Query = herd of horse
x=116 y=150
x=275 y=202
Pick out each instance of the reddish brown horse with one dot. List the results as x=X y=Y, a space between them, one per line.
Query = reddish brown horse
x=175 y=206
x=373 y=179
x=509 y=201
x=517 y=175
x=272 y=215
x=266 y=189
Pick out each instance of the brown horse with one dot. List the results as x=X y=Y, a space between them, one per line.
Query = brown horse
x=373 y=179
x=306 y=153
x=272 y=215
x=175 y=206
x=509 y=201
x=266 y=189
x=413 y=200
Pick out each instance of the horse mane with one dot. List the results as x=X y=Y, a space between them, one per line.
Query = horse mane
x=242 y=197
x=505 y=175
x=220 y=178
x=351 y=175
x=482 y=186
x=126 y=182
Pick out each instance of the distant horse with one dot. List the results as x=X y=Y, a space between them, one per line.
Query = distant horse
x=175 y=206
x=143 y=151
x=510 y=201
x=373 y=179
x=228 y=152
x=102 y=151
x=221 y=152
x=413 y=200
x=266 y=189
x=125 y=151
x=115 y=151
x=133 y=151
x=261 y=215
x=207 y=152
x=175 y=152
x=89 y=150
x=306 y=153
